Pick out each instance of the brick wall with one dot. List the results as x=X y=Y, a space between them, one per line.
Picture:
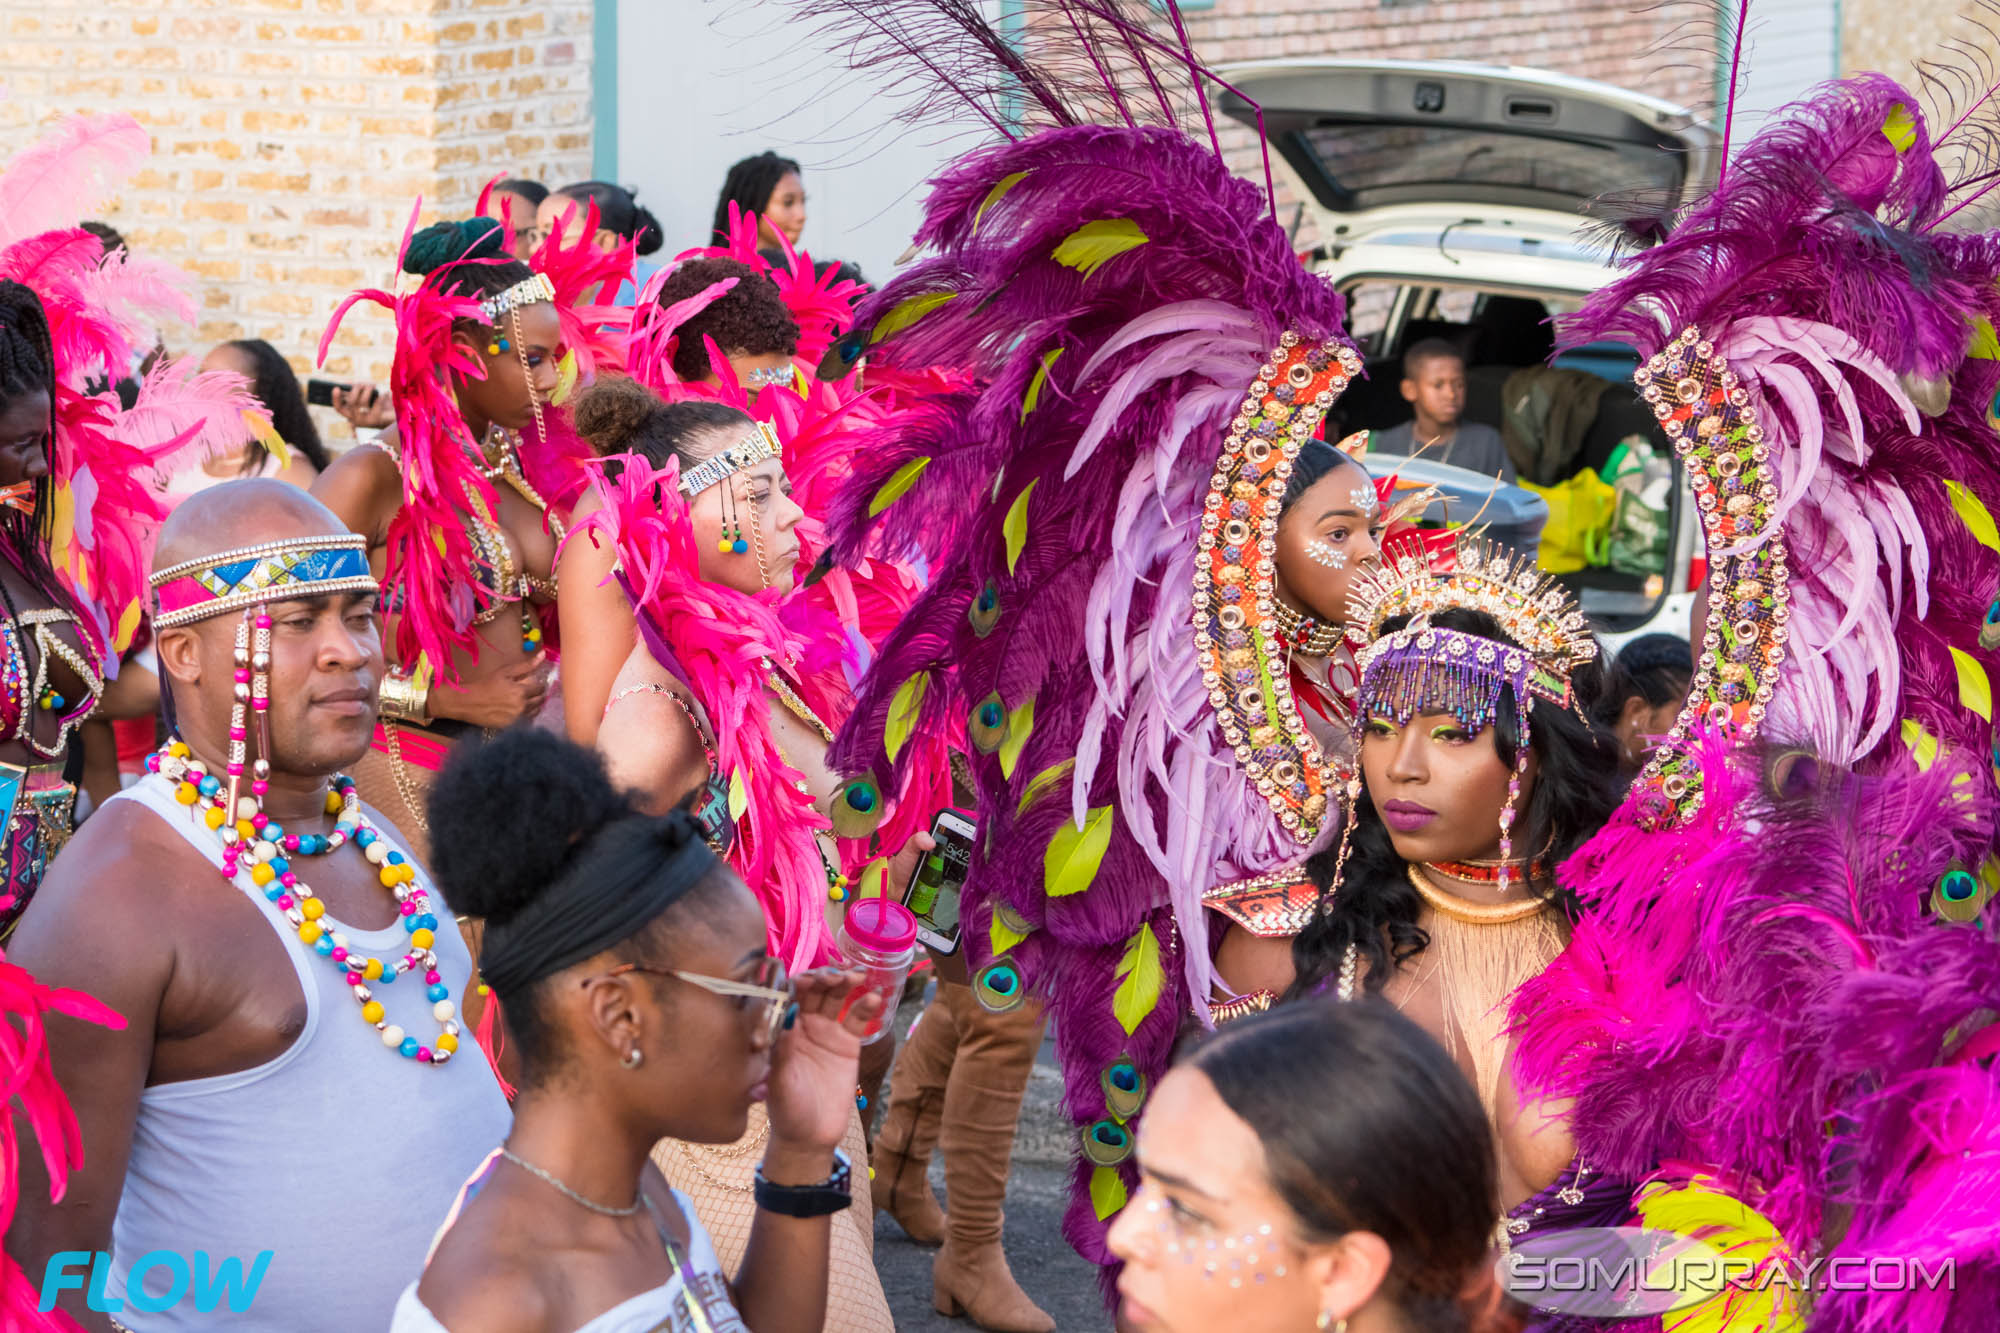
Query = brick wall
x=292 y=136
x=1613 y=41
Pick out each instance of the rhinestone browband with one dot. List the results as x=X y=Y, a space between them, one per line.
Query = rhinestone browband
x=528 y=291
x=752 y=449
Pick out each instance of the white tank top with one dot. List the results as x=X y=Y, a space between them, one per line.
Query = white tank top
x=340 y=1156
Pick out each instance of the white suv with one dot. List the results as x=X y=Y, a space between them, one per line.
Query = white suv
x=1452 y=200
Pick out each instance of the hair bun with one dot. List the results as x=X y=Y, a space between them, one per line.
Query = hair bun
x=611 y=413
x=506 y=816
x=646 y=232
x=444 y=243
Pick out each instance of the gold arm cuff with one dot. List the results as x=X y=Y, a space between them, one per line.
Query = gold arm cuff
x=405 y=699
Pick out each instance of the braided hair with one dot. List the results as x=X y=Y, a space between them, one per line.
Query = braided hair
x=27 y=366
x=465 y=258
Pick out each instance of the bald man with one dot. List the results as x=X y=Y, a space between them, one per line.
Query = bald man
x=250 y=1104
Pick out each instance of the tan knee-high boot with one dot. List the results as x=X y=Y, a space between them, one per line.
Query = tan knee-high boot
x=982 y=1102
x=901 y=1156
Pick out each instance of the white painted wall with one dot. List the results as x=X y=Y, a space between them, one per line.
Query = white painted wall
x=1794 y=45
x=703 y=83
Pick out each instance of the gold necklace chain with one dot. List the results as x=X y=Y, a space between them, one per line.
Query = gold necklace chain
x=693 y=1153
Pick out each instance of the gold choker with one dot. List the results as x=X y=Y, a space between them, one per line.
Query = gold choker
x=1472 y=913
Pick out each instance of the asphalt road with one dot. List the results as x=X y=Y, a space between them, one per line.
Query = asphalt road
x=1044 y=1264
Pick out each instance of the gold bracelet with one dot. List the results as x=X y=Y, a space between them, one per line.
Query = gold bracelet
x=405 y=699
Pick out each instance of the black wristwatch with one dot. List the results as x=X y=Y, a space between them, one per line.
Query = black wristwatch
x=830 y=1196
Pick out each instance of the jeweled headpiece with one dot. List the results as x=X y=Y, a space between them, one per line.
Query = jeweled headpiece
x=529 y=291
x=1422 y=666
x=760 y=444
x=249 y=579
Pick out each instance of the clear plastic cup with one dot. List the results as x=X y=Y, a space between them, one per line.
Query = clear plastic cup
x=880 y=937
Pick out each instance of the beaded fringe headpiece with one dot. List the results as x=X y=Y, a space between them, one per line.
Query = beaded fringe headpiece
x=249 y=579
x=1422 y=667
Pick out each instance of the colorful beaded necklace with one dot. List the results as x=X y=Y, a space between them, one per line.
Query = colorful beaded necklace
x=252 y=839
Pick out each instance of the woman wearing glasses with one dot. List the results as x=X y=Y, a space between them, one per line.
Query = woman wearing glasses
x=635 y=983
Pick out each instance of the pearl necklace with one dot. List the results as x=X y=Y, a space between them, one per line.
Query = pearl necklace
x=253 y=838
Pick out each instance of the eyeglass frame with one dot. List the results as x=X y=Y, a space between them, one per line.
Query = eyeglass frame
x=779 y=1000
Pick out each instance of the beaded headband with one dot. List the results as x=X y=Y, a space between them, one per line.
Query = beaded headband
x=1238 y=639
x=760 y=444
x=764 y=377
x=213 y=585
x=528 y=291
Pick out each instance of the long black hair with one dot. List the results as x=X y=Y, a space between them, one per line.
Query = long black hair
x=749 y=185
x=620 y=212
x=1577 y=786
x=28 y=366
x=277 y=388
x=1368 y=1125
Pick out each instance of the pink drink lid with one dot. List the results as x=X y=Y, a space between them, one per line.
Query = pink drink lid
x=877 y=923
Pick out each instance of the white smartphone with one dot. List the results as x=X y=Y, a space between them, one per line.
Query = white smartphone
x=932 y=895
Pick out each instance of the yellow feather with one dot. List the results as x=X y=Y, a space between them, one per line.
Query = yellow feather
x=1985 y=344
x=1020 y=724
x=128 y=625
x=261 y=429
x=1922 y=745
x=1978 y=519
x=739 y=795
x=906 y=313
x=1095 y=244
x=1015 y=527
x=1034 y=394
x=994 y=196
x=1003 y=936
x=1107 y=1192
x=1070 y=864
x=1140 y=978
x=1975 y=691
x=1732 y=1230
x=898 y=485
x=1899 y=127
x=1042 y=783
x=904 y=708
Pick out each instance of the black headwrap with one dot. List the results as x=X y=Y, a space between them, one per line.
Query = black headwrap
x=617 y=880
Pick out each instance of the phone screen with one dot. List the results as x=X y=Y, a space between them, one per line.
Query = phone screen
x=933 y=895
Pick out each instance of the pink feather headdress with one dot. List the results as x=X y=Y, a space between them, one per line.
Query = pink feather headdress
x=719 y=640
x=430 y=555
x=103 y=312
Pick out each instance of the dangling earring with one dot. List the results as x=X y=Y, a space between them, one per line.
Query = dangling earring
x=497 y=346
x=1509 y=810
x=1326 y=1320
x=729 y=511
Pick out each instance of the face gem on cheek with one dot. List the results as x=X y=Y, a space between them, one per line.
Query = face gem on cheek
x=1320 y=553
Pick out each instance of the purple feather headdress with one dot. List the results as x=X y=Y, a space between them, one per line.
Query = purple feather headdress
x=1150 y=355
x=1781 y=976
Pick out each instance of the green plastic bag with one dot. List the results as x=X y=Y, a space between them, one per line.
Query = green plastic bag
x=1641 y=533
x=1581 y=512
